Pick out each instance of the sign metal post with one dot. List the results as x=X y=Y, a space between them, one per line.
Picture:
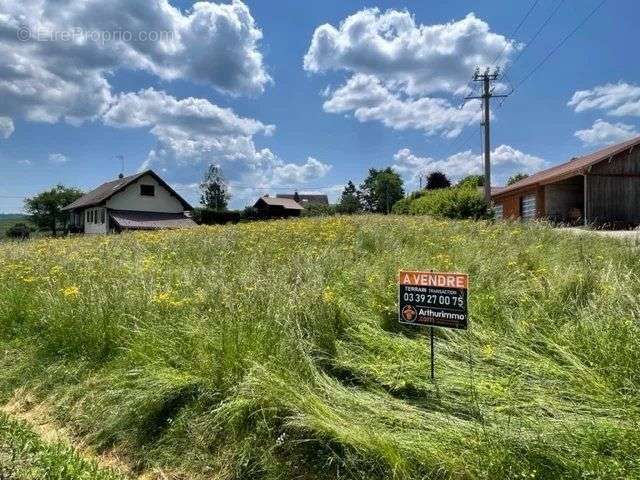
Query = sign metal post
x=433 y=364
x=433 y=299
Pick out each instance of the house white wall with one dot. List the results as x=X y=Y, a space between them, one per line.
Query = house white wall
x=91 y=227
x=130 y=198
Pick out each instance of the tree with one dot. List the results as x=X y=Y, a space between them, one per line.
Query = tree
x=437 y=180
x=473 y=181
x=45 y=208
x=380 y=190
x=516 y=178
x=214 y=192
x=19 y=230
x=349 y=200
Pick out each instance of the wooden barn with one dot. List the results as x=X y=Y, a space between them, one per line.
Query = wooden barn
x=601 y=188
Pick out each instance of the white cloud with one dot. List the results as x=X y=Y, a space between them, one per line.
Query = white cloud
x=605 y=133
x=56 y=55
x=505 y=161
x=293 y=174
x=193 y=132
x=397 y=65
x=6 y=127
x=419 y=58
x=24 y=163
x=58 y=158
x=189 y=129
x=618 y=99
x=369 y=100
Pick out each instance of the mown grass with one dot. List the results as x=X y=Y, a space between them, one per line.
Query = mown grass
x=271 y=350
x=24 y=456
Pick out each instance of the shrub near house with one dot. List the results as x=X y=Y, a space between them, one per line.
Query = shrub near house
x=455 y=203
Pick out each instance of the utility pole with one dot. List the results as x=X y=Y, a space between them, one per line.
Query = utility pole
x=487 y=79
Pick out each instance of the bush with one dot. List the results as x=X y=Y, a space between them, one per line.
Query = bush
x=402 y=207
x=456 y=203
x=19 y=230
x=318 y=210
x=209 y=216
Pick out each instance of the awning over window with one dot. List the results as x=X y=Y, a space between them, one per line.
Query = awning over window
x=130 y=220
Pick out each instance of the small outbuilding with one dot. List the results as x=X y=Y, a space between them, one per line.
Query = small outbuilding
x=602 y=188
x=274 y=207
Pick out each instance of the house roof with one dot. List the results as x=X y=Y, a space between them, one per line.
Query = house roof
x=109 y=189
x=281 y=202
x=306 y=197
x=132 y=220
x=575 y=166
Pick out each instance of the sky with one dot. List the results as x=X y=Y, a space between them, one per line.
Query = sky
x=291 y=95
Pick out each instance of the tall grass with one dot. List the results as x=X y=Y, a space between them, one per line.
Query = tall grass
x=24 y=456
x=271 y=350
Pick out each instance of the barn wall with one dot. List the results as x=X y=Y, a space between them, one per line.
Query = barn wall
x=613 y=190
x=613 y=199
x=511 y=202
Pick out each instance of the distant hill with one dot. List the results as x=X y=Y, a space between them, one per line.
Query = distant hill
x=9 y=219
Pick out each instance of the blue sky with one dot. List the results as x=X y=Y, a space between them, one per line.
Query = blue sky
x=303 y=95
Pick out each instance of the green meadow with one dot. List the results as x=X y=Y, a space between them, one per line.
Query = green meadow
x=271 y=350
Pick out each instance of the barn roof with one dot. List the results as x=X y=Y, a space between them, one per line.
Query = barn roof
x=109 y=189
x=281 y=202
x=575 y=166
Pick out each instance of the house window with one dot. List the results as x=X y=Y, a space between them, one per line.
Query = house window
x=102 y=215
x=87 y=216
x=147 y=190
x=498 y=211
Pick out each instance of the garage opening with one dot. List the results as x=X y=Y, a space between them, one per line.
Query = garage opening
x=528 y=207
x=564 y=200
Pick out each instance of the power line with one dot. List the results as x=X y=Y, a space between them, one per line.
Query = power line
x=504 y=48
x=538 y=32
x=557 y=47
x=562 y=42
x=515 y=30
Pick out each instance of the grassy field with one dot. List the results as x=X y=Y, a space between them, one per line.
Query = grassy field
x=24 y=456
x=271 y=350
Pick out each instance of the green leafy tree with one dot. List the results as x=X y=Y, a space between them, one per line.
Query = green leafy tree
x=437 y=180
x=45 y=208
x=381 y=190
x=349 y=200
x=473 y=181
x=214 y=191
x=516 y=178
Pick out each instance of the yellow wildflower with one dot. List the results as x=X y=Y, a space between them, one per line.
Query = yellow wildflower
x=70 y=292
x=488 y=351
